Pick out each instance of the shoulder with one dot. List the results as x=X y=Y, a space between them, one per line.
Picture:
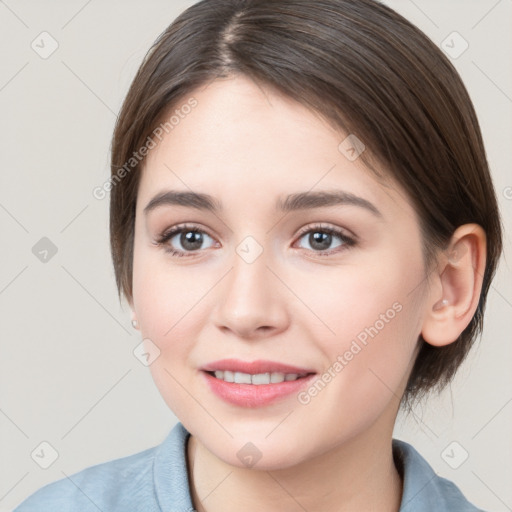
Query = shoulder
x=119 y=484
x=423 y=489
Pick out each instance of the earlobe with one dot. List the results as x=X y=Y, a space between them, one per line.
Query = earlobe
x=453 y=303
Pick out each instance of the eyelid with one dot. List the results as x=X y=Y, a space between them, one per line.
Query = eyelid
x=182 y=227
x=328 y=227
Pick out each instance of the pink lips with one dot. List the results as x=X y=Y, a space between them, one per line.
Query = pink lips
x=254 y=367
x=251 y=395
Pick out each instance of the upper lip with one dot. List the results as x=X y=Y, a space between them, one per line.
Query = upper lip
x=253 y=367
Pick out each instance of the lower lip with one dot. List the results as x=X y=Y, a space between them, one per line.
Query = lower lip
x=252 y=395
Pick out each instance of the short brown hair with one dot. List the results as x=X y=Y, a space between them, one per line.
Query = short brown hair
x=365 y=69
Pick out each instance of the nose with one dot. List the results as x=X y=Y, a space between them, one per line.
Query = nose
x=251 y=300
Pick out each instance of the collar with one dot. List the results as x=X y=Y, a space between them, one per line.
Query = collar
x=423 y=489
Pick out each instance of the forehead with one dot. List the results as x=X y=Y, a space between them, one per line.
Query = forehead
x=242 y=137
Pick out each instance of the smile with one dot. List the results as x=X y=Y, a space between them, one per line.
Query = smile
x=257 y=379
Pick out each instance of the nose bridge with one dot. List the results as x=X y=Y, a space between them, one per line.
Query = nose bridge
x=249 y=298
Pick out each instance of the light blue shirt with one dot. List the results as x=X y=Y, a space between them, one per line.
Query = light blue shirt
x=156 y=480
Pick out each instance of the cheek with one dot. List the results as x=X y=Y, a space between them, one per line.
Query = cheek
x=166 y=295
x=172 y=304
x=376 y=319
x=357 y=303
x=167 y=313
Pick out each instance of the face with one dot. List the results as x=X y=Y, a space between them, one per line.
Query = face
x=327 y=293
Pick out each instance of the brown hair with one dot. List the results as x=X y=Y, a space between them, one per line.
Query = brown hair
x=365 y=69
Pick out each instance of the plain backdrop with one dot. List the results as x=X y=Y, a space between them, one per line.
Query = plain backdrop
x=68 y=376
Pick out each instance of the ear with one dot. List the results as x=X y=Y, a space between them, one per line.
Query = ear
x=457 y=284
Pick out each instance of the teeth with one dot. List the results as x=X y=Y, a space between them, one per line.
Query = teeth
x=242 y=378
x=257 y=379
x=261 y=378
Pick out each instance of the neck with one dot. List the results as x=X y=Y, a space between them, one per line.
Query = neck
x=357 y=475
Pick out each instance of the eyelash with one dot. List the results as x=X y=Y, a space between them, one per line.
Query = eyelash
x=167 y=235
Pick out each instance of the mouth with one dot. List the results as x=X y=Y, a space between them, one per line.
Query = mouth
x=258 y=367
x=255 y=384
x=256 y=379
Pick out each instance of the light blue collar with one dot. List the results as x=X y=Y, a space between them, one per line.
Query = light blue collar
x=423 y=489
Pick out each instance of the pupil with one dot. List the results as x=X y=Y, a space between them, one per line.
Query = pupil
x=191 y=240
x=320 y=240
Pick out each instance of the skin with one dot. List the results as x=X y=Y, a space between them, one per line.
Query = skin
x=248 y=146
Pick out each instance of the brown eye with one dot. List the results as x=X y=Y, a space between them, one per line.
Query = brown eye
x=321 y=239
x=191 y=240
x=182 y=240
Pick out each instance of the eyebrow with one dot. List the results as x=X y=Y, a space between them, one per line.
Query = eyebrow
x=293 y=202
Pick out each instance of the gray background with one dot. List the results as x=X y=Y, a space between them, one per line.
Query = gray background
x=67 y=372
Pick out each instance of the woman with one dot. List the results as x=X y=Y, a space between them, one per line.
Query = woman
x=304 y=225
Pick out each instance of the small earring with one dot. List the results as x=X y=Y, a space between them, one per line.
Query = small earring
x=441 y=304
x=134 y=324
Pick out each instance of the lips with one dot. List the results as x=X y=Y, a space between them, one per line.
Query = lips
x=256 y=383
x=255 y=367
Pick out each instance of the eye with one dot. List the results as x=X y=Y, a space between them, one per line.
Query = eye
x=181 y=240
x=320 y=239
x=186 y=240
